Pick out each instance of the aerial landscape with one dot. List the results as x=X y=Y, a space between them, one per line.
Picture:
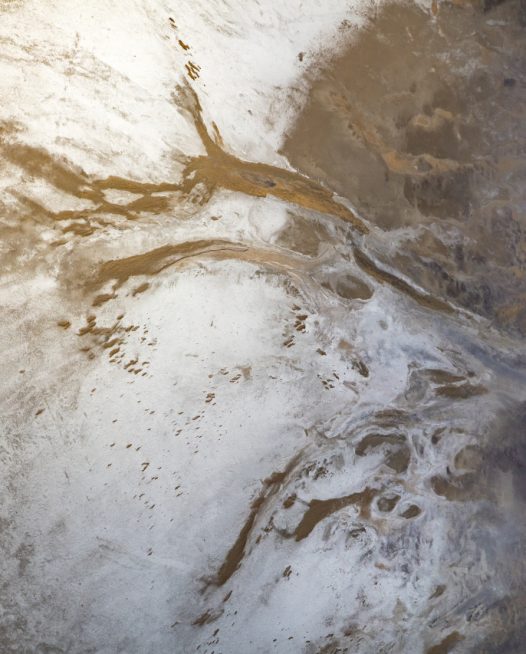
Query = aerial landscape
x=263 y=308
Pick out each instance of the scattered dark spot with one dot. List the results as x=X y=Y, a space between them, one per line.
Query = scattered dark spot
x=439 y=590
x=141 y=288
x=207 y=617
x=360 y=367
x=102 y=298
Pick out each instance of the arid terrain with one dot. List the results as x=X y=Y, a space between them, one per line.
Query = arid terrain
x=263 y=299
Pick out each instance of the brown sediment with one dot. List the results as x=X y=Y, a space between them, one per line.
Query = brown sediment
x=236 y=553
x=192 y=70
x=469 y=458
x=411 y=512
x=207 y=617
x=402 y=163
x=38 y=163
x=116 y=183
x=102 y=298
x=360 y=367
x=456 y=489
x=72 y=181
x=439 y=590
x=217 y=135
x=438 y=376
x=320 y=509
x=146 y=204
x=348 y=287
x=431 y=135
x=302 y=234
x=141 y=288
x=461 y=392
x=447 y=644
x=218 y=169
x=287 y=572
x=381 y=275
x=399 y=459
x=387 y=504
x=391 y=416
x=155 y=261
x=357 y=364
x=398 y=454
x=79 y=228
x=105 y=338
x=223 y=170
